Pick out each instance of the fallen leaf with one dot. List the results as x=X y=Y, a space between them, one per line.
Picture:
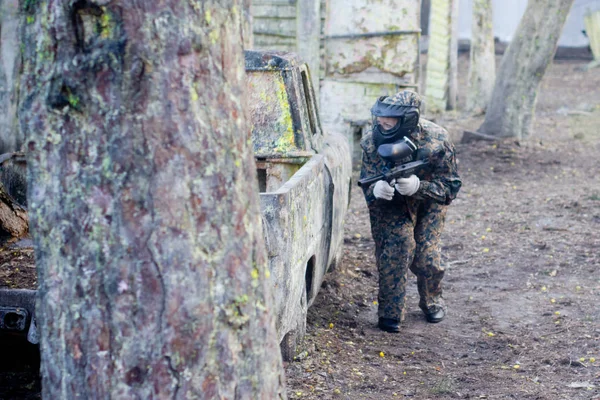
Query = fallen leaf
x=580 y=385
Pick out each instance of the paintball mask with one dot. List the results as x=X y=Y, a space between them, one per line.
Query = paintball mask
x=405 y=112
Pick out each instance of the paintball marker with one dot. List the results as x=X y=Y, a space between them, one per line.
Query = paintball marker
x=397 y=153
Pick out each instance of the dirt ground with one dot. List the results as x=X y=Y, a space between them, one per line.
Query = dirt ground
x=19 y=360
x=522 y=255
x=17 y=267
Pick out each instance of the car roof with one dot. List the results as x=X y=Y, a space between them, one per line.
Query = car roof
x=257 y=60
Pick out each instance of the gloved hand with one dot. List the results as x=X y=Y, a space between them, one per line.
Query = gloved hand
x=407 y=186
x=383 y=190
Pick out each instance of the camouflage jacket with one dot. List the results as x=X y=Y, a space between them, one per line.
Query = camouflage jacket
x=439 y=180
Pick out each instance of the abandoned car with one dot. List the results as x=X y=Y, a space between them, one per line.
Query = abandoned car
x=304 y=177
x=304 y=182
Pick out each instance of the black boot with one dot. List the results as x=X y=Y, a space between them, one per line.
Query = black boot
x=435 y=314
x=389 y=325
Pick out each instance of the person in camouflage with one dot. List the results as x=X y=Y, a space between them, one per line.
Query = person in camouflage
x=407 y=216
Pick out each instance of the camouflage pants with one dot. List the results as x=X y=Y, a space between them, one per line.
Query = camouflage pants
x=406 y=237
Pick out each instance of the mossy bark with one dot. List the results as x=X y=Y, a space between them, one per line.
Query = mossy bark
x=143 y=202
x=511 y=109
x=482 y=66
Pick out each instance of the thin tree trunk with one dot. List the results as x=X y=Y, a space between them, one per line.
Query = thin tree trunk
x=248 y=35
x=592 y=30
x=144 y=203
x=482 y=66
x=511 y=110
x=10 y=137
x=442 y=56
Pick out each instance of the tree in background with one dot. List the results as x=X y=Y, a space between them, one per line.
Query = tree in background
x=511 y=110
x=482 y=65
x=145 y=213
x=10 y=60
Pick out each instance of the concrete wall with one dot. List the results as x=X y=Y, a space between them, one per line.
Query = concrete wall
x=371 y=50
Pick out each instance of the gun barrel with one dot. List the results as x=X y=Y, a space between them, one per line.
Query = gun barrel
x=369 y=181
x=400 y=171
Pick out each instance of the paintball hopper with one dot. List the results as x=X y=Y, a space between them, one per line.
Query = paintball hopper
x=397 y=152
x=400 y=154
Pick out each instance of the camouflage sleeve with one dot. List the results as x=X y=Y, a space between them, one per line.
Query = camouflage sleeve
x=366 y=170
x=445 y=181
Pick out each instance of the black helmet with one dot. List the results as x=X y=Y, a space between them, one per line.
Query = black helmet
x=404 y=106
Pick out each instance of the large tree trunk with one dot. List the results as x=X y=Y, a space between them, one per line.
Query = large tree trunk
x=482 y=66
x=441 y=87
x=144 y=203
x=511 y=110
x=10 y=61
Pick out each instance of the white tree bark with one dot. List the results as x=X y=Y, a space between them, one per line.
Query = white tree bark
x=10 y=138
x=482 y=66
x=442 y=57
x=592 y=29
x=511 y=110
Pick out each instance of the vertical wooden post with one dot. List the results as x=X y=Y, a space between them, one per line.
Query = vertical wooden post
x=308 y=35
x=442 y=57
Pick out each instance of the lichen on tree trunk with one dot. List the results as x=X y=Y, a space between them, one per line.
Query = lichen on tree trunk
x=511 y=109
x=143 y=202
x=482 y=65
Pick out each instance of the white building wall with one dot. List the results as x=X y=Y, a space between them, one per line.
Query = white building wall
x=508 y=13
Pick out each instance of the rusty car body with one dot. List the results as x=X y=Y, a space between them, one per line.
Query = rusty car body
x=304 y=177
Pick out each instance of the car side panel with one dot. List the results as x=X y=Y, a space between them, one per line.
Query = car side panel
x=338 y=159
x=297 y=223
